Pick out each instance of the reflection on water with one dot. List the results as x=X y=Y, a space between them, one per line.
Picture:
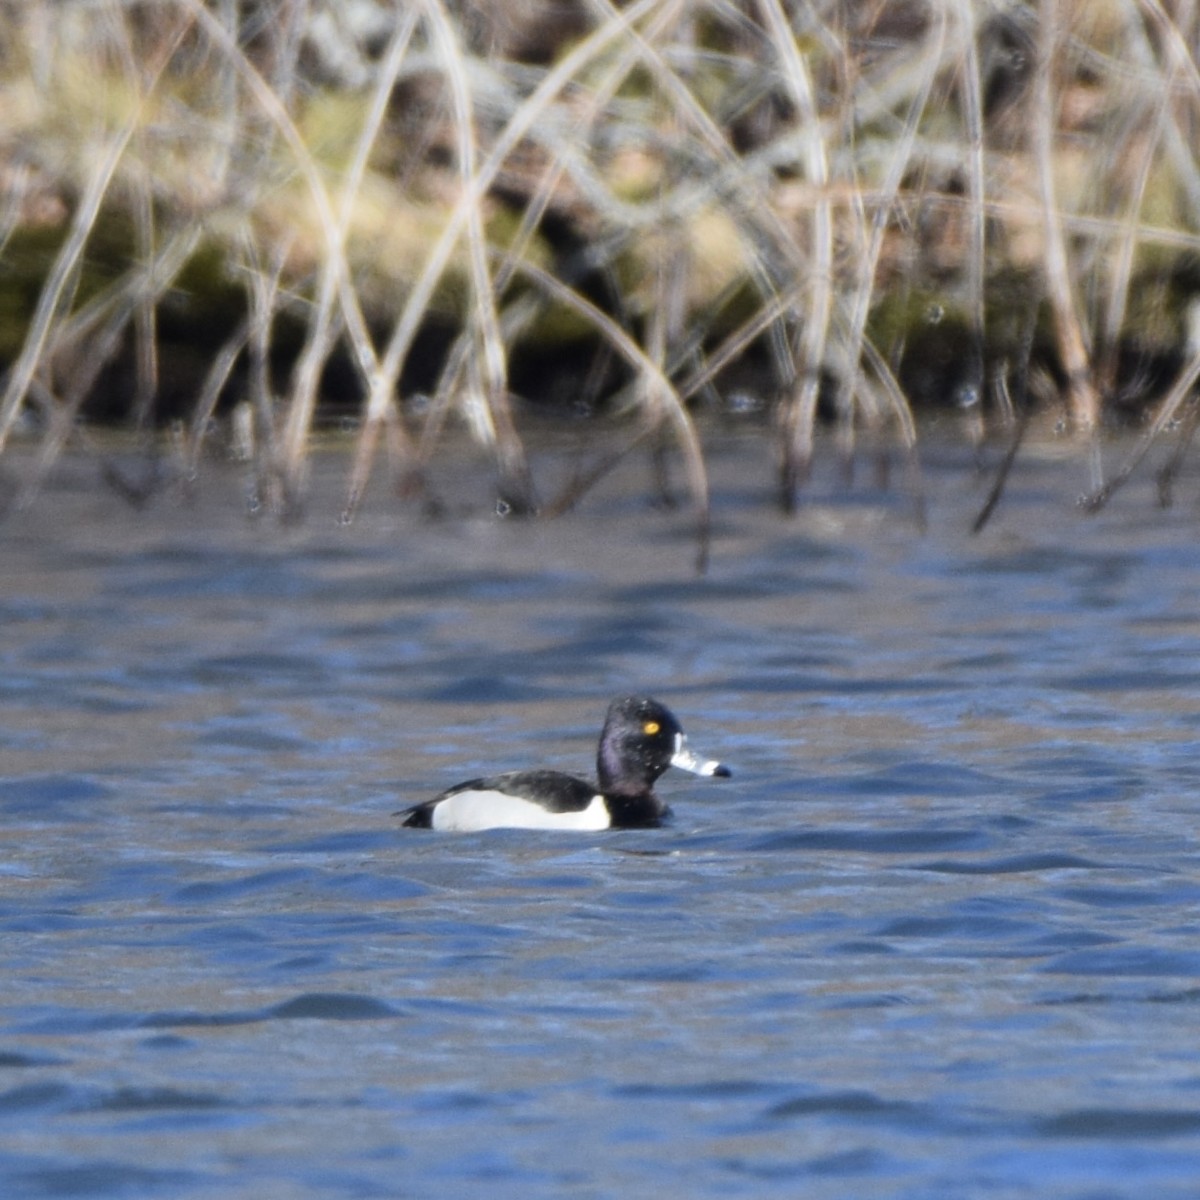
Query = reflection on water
x=937 y=937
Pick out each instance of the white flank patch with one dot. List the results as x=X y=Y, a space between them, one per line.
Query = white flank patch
x=469 y=812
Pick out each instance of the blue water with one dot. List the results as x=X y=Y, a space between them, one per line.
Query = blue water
x=938 y=937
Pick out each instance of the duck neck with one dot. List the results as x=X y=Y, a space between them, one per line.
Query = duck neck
x=644 y=811
x=612 y=771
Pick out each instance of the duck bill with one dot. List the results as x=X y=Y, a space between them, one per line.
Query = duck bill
x=688 y=760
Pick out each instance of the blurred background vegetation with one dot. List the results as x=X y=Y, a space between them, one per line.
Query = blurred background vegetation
x=224 y=223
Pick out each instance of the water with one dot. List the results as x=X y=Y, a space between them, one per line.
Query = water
x=939 y=936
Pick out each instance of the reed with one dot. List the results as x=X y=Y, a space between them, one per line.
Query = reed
x=859 y=210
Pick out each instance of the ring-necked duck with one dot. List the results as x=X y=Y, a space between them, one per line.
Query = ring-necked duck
x=640 y=740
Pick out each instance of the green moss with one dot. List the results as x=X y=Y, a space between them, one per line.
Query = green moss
x=26 y=262
x=204 y=291
x=331 y=123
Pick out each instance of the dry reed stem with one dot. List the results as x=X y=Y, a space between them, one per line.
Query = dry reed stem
x=800 y=409
x=1181 y=55
x=971 y=90
x=731 y=186
x=383 y=383
x=1083 y=404
x=206 y=402
x=1121 y=274
x=263 y=284
x=883 y=205
x=518 y=316
x=69 y=343
x=272 y=106
x=516 y=486
x=145 y=317
x=55 y=292
x=323 y=326
x=81 y=346
x=1182 y=391
x=670 y=406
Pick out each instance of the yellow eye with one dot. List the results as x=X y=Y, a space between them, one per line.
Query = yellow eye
x=651 y=727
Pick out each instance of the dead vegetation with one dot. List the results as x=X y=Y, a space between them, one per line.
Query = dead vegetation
x=863 y=208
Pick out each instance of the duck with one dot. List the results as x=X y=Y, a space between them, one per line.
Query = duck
x=641 y=738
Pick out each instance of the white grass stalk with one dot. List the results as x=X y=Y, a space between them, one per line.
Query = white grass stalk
x=861 y=297
x=561 y=151
x=970 y=89
x=383 y=383
x=670 y=405
x=323 y=327
x=800 y=410
x=1083 y=406
x=515 y=484
x=274 y=109
x=54 y=293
